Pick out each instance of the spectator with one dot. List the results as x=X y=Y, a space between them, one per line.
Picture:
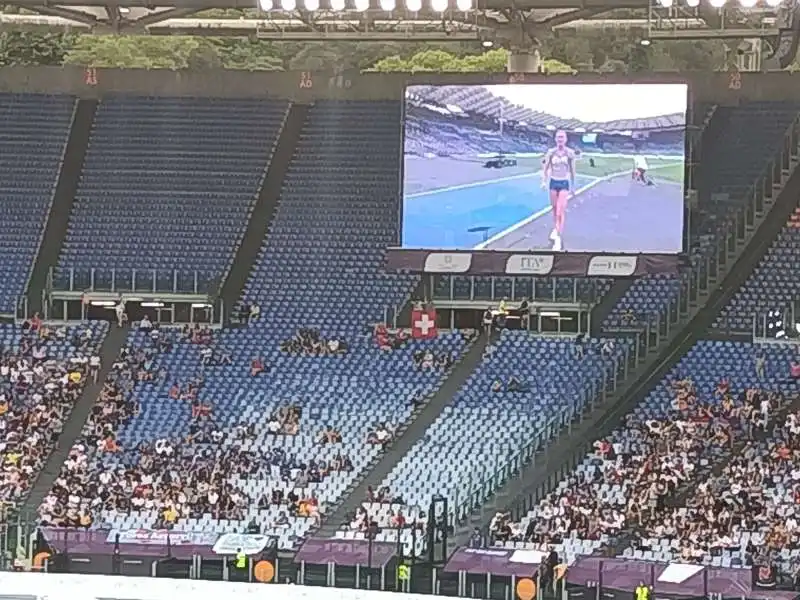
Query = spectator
x=760 y=363
x=34 y=407
x=254 y=313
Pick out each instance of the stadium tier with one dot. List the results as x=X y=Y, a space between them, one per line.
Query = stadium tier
x=523 y=393
x=772 y=286
x=705 y=410
x=168 y=185
x=305 y=423
x=33 y=136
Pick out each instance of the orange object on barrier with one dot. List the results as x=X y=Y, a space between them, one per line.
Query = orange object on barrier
x=38 y=561
x=526 y=589
x=264 y=572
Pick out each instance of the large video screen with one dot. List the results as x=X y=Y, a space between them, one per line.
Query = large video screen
x=576 y=167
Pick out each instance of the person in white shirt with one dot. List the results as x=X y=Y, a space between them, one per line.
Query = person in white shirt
x=640 y=168
x=121 y=317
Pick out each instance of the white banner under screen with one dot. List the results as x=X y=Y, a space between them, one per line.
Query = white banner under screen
x=584 y=168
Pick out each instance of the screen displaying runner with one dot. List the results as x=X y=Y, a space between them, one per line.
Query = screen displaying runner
x=575 y=168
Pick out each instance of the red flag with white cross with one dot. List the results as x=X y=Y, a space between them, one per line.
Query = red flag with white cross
x=423 y=324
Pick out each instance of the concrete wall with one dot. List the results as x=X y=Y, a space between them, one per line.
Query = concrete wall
x=723 y=88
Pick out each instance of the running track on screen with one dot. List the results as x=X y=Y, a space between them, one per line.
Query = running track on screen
x=607 y=215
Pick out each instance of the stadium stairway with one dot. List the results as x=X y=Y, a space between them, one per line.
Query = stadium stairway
x=108 y=353
x=559 y=459
x=264 y=207
x=602 y=309
x=422 y=420
x=55 y=230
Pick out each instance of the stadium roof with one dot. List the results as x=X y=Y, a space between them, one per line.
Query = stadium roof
x=479 y=100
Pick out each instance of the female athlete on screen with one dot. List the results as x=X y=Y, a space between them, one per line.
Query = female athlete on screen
x=559 y=178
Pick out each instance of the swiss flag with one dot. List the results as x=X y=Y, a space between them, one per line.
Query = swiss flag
x=423 y=324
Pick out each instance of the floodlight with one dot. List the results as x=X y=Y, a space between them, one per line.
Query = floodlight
x=288 y=5
x=439 y=5
x=464 y=5
x=693 y=3
x=388 y=5
x=265 y=5
x=337 y=5
x=717 y=3
x=773 y=3
x=362 y=5
x=414 y=5
x=665 y=3
x=748 y=3
x=311 y=4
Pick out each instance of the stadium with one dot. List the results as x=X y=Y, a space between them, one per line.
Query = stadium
x=214 y=377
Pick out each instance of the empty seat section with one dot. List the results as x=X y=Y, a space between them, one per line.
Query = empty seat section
x=168 y=185
x=33 y=135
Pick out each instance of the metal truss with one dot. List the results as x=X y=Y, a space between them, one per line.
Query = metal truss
x=514 y=23
x=681 y=22
x=519 y=22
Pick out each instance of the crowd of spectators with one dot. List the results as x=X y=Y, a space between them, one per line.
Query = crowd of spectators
x=390 y=339
x=753 y=499
x=170 y=479
x=627 y=480
x=39 y=386
x=309 y=342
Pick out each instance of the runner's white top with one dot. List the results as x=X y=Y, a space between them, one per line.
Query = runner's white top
x=559 y=162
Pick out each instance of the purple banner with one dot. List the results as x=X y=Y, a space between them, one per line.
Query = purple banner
x=496 y=561
x=75 y=541
x=347 y=553
x=625 y=575
x=530 y=264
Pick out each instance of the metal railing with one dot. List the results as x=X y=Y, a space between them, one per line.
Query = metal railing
x=494 y=289
x=526 y=455
x=779 y=324
x=165 y=281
